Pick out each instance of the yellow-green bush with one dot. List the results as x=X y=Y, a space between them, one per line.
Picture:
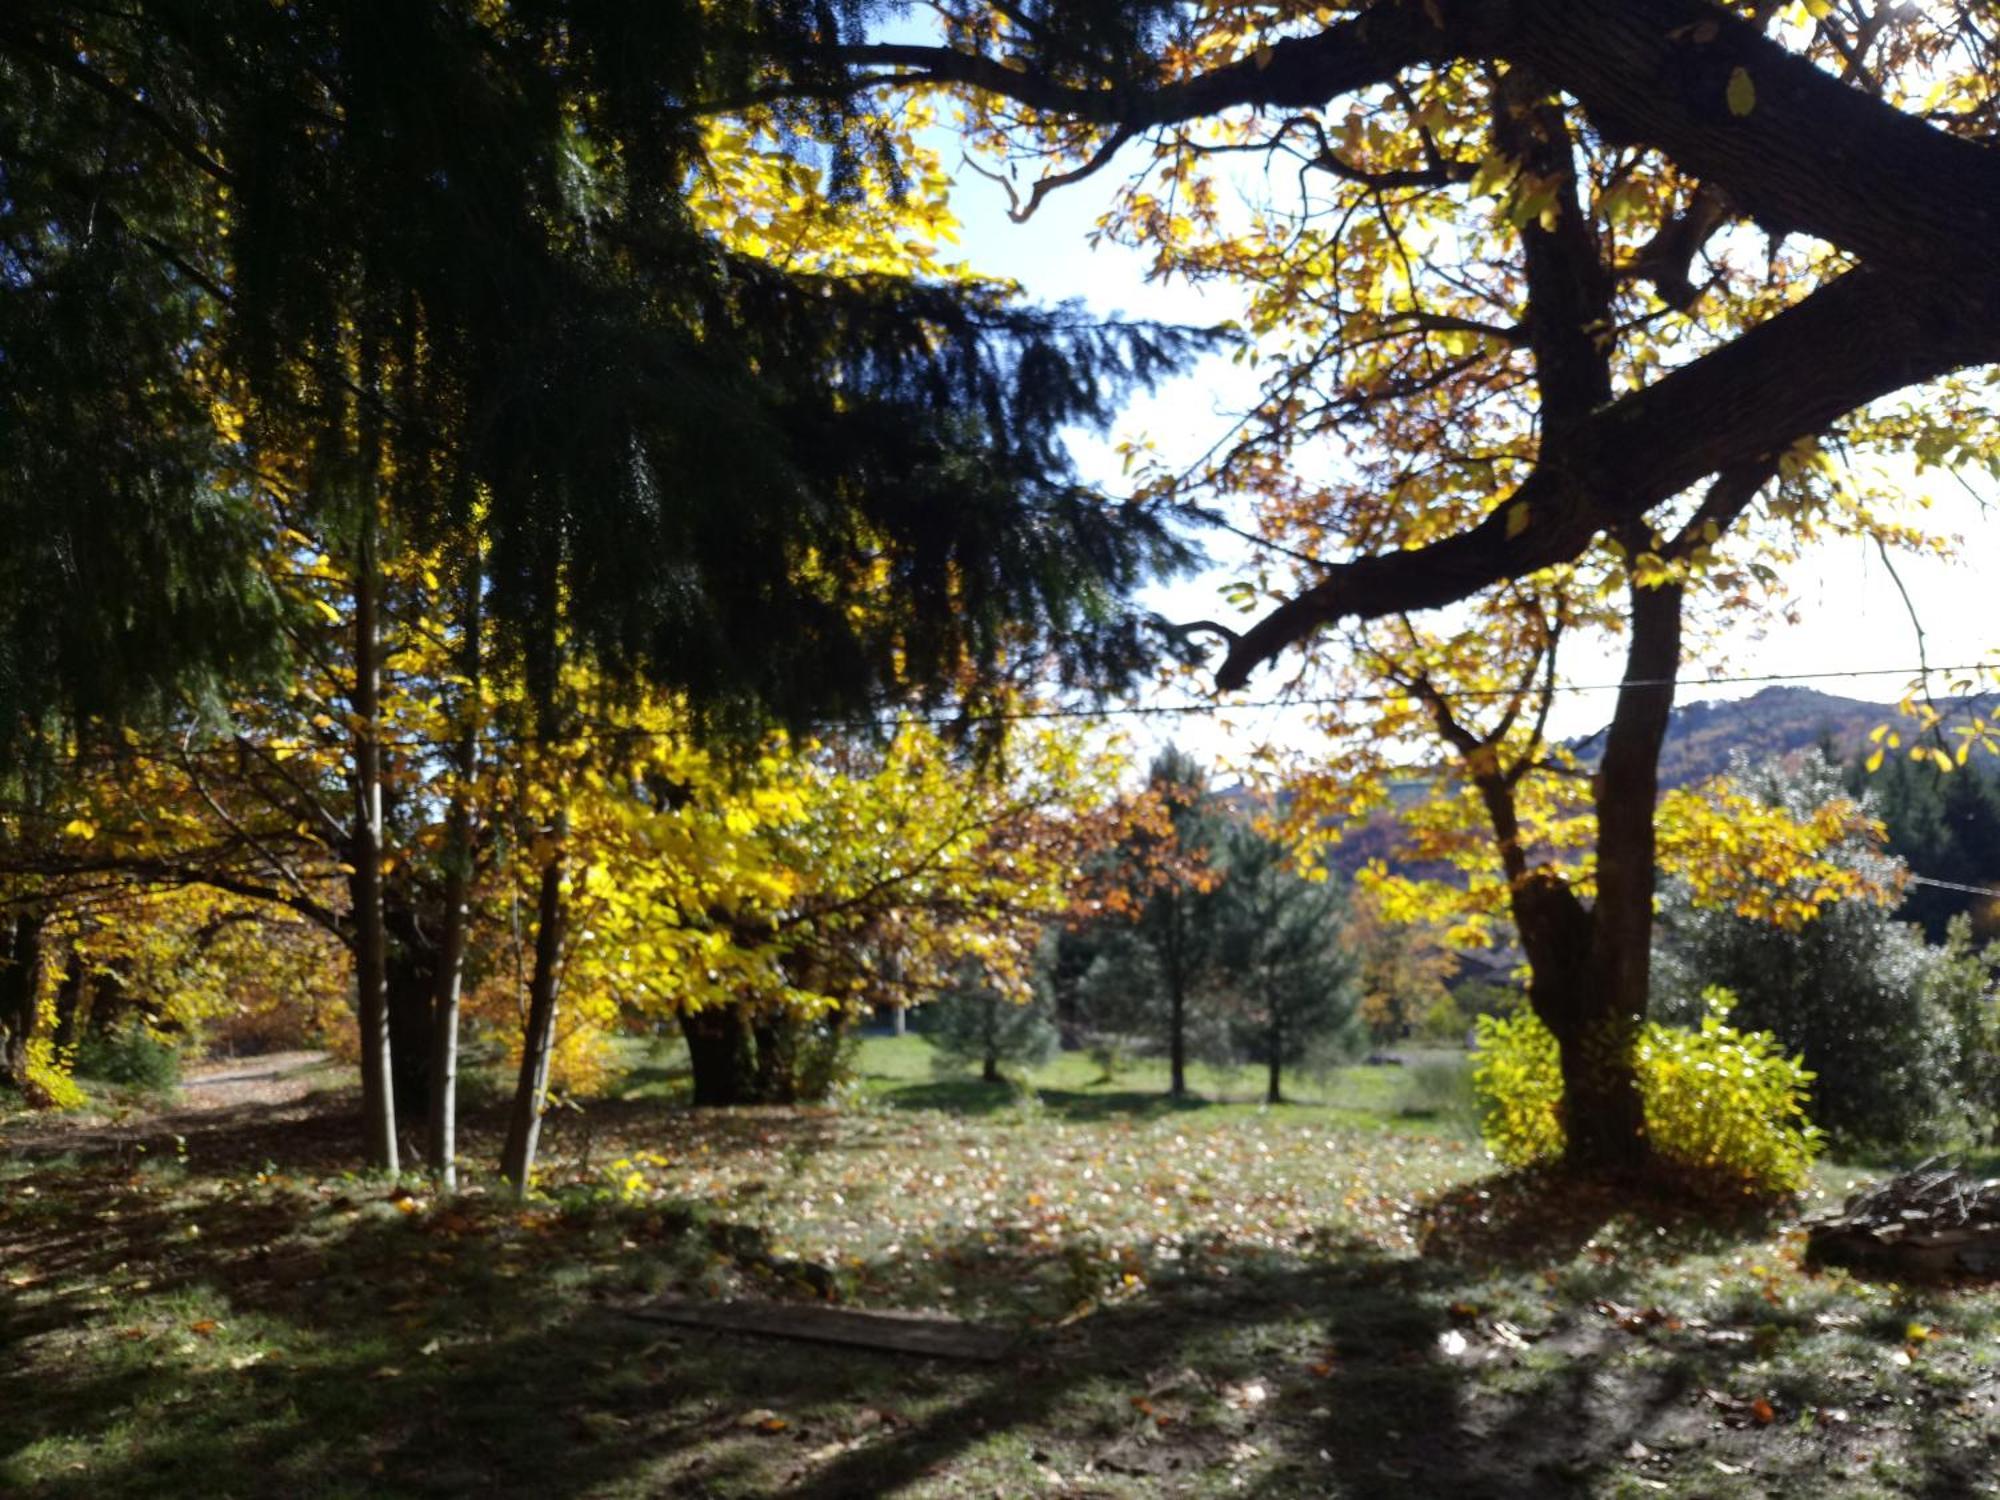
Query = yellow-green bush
x=1719 y=1100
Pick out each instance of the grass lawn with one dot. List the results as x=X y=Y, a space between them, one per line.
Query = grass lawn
x=1329 y=1298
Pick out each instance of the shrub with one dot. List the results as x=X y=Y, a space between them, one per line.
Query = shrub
x=1720 y=1101
x=1517 y=1075
x=1440 y=1088
x=133 y=1055
x=1854 y=992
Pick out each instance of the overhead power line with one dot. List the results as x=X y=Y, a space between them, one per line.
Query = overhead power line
x=1952 y=885
x=1104 y=713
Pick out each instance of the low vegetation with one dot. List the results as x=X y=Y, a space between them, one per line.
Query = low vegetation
x=1210 y=1297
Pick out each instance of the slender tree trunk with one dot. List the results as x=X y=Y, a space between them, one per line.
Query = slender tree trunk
x=1274 y=1090
x=441 y=1138
x=1176 y=1002
x=378 y=1101
x=524 y=1126
x=441 y=1126
x=899 y=1018
x=20 y=990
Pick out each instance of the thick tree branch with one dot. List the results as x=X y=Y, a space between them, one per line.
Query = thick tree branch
x=1812 y=153
x=1860 y=338
x=1297 y=73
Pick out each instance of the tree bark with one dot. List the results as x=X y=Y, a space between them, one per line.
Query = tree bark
x=1274 y=1092
x=524 y=1125
x=441 y=1126
x=378 y=1100
x=1176 y=1001
x=776 y=1079
x=20 y=988
x=441 y=1137
x=72 y=996
x=721 y=1055
x=1606 y=1117
x=410 y=978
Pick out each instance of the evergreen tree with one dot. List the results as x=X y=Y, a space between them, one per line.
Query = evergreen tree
x=1943 y=826
x=429 y=272
x=975 y=1023
x=1157 y=972
x=1281 y=957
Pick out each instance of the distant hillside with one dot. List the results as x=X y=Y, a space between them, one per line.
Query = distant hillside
x=1775 y=722
x=1700 y=740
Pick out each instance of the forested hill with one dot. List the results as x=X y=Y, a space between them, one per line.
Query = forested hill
x=1774 y=722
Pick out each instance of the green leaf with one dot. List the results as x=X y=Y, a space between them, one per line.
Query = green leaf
x=1742 y=92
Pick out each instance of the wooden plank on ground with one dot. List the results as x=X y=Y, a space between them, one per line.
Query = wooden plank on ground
x=927 y=1336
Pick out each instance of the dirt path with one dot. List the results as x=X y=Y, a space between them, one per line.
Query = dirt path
x=214 y=1099
x=274 y=1078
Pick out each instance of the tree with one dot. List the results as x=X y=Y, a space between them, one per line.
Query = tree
x=974 y=1022
x=1943 y=826
x=1856 y=993
x=1163 y=882
x=464 y=282
x=1281 y=947
x=756 y=904
x=1511 y=335
x=1690 y=119
x=1401 y=968
x=1516 y=831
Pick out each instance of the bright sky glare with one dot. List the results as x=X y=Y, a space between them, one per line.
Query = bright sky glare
x=1852 y=619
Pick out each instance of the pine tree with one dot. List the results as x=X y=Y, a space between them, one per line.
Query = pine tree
x=1281 y=956
x=1168 y=870
x=975 y=1023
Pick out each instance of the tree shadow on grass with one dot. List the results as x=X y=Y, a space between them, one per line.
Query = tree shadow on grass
x=1536 y=1216
x=365 y=1350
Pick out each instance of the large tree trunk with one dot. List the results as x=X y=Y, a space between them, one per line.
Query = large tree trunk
x=1605 y=1116
x=72 y=998
x=378 y=1099
x=777 y=1038
x=1600 y=1094
x=524 y=1125
x=20 y=988
x=721 y=1055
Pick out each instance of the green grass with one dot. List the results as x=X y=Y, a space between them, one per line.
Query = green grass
x=905 y=1073
x=1314 y=1300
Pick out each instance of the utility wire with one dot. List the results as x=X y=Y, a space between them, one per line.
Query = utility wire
x=1100 y=713
x=1951 y=885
